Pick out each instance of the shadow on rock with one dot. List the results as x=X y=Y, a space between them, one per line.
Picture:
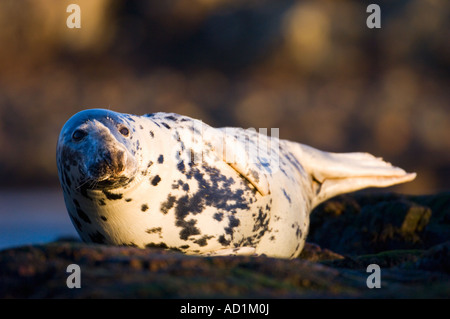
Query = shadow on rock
x=367 y=224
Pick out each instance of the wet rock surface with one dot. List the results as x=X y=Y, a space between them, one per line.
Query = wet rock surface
x=408 y=237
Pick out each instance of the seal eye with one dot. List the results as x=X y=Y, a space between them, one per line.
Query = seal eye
x=78 y=135
x=124 y=131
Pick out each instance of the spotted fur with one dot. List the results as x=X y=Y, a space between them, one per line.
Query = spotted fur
x=162 y=180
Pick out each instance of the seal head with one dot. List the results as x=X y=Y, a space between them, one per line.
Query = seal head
x=96 y=147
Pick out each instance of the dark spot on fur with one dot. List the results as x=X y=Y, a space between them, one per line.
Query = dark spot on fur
x=161 y=159
x=203 y=241
x=103 y=218
x=97 y=237
x=296 y=250
x=168 y=204
x=223 y=241
x=286 y=195
x=293 y=161
x=144 y=207
x=181 y=167
x=77 y=223
x=255 y=175
x=154 y=230
x=101 y=202
x=186 y=187
x=83 y=191
x=128 y=200
x=152 y=134
x=213 y=192
x=218 y=216
x=232 y=223
x=160 y=245
x=156 y=180
x=188 y=228
x=112 y=196
x=178 y=138
x=186 y=205
x=217 y=191
x=171 y=118
x=261 y=221
x=141 y=127
x=165 y=125
x=67 y=179
x=83 y=215
x=298 y=233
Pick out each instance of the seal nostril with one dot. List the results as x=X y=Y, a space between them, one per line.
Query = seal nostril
x=78 y=135
x=114 y=161
x=107 y=158
x=121 y=160
x=120 y=167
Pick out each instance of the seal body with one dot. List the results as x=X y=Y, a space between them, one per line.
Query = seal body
x=167 y=180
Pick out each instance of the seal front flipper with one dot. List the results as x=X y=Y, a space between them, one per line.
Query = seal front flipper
x=258 y=180
x=240 y=154
x=338 y=173
x=238 y=251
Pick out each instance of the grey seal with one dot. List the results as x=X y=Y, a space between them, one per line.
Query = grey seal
x=171 y=181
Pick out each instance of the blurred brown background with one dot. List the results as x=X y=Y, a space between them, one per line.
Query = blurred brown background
x=311 y=68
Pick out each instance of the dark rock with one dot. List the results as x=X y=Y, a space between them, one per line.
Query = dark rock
x=385 y=259
x=128 y=272
x=313 y=252
x=362 y=224
x=406 y=236
x=436 y=259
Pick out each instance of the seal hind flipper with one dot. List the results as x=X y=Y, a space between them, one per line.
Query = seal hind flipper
x=332 y=187
x=338 y=173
